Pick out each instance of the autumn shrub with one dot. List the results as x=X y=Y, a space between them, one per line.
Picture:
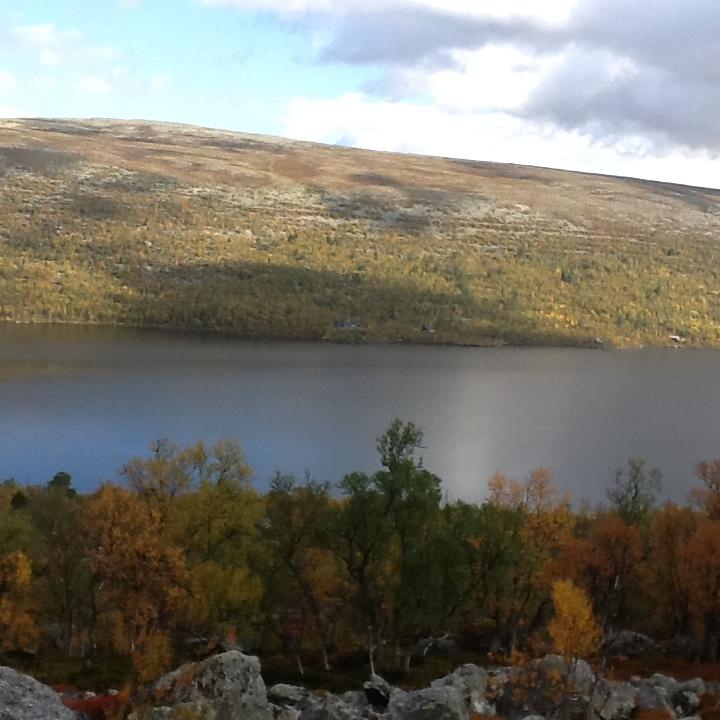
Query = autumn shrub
x=107 y=707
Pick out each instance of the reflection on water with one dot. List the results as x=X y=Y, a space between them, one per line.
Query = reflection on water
x=87 y=399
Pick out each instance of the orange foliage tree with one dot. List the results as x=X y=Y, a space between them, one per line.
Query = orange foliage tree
x=671 y=530
x=700 y=574
x=138 y=576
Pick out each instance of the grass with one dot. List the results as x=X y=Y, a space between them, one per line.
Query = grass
x=170 y=226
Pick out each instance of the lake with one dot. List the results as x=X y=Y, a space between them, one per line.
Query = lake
x=87 y=399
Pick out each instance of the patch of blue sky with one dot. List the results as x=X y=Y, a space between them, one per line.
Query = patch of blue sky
x=174 y=60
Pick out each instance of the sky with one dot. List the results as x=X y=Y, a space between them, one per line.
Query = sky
x=625 y=87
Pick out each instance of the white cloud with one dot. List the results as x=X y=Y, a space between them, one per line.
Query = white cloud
x=359 y=120
x=496 y=76
x=551 y=11
x=46 y=41
x=611 y=70
x=53 y=47
x=93 y=85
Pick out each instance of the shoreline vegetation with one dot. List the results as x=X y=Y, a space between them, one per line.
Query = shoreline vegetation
x=326 y=584
x=163 y=226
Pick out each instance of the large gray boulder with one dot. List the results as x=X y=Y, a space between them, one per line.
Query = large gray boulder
x=664 y=692
x=24 y=698
x=292 y=696
x=613 y=701
x=223 y=687
x=629 y=644
x=298 y=702
x=434 y=703
x=471 y=681
x=332 y=707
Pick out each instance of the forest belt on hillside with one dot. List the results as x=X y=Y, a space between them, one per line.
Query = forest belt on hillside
x=158 y=225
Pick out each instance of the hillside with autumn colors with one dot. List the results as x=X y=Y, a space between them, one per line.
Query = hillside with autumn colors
x=150 y=224
x=185 y=557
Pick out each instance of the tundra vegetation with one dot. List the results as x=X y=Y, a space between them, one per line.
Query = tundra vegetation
x=185 y=556
x=173 y=226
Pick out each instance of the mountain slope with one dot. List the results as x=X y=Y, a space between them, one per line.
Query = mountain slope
x=169 y=225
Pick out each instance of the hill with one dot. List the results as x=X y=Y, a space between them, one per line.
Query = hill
x=152 y=224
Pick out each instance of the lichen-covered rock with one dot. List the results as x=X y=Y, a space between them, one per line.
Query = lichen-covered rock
x=291 y=696
x=306 y=705
x=654 y=696
x=24 y=698
x=613 y=701
x=434 y=703
x=471 y=681
x=224 y=687
x=332 y=707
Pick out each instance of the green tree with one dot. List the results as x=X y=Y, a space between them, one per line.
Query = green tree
x=634 y=491
x=385 y=540
x=305 y=591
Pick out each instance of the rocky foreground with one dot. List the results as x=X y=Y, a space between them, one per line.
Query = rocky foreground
x=229 y=686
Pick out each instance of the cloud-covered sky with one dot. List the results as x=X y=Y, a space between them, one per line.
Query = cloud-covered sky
x=627 y=87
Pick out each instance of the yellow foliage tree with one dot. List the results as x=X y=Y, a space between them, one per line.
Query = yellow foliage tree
x=17 y=628
x=574 y=630
x=140 y=576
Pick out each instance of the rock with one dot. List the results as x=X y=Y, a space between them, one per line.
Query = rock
x=377 y=691
x=305 y=705
x=330 y=707
x=471 y=681
x=654 y=696
x=581 y=678
x=355 y=699
x=696 y=685
x=224 y=687
x=467 y=678
x=283 y=713
x=570 y=707
x=668 y=684
x=685 y=703
x=434 y=703
x=613 y=701
x=629 y=644
x=24 y=698
x=482 y=706
x=291 y=696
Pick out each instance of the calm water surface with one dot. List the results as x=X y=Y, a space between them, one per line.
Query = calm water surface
x=86 y=400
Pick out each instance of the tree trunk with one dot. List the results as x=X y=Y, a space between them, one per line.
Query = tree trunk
x=299 y=664
x=371 y=649
x=710 y=639
x=407 y=656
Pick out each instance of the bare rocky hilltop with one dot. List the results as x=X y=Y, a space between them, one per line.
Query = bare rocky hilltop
x=152 y=224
